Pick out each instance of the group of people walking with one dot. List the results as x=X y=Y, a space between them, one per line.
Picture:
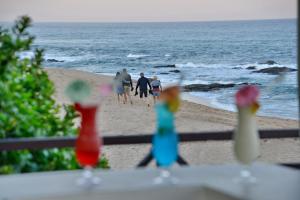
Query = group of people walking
x=123 y=87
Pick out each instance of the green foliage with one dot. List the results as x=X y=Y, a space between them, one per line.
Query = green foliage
x=27 y=108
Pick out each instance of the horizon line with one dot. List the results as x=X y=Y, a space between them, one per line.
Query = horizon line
x=183 y=21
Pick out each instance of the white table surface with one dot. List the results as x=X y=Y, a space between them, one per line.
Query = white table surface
x=274 y=182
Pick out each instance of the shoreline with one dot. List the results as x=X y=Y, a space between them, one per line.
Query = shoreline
x=201 y=101
x=185 y=96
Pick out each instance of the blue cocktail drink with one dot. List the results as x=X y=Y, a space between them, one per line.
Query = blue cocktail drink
x=165 y=140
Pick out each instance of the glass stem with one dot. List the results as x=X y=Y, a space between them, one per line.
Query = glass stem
x=165 y=177
x=246 y=175
x=165 y=173
x=88 y=179
x=87 y=172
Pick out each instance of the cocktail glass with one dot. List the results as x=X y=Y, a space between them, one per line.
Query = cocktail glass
x=88 y=144
x=165 y=145
x=246 y=149
x=246 y=138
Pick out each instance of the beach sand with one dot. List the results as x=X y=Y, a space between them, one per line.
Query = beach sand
x=120 y=119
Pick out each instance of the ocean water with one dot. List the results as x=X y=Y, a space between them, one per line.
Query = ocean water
x=206 y=52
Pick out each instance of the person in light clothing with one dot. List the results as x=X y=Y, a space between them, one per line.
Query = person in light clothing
x=118 y=86
x=156 y=88
x=127 y=84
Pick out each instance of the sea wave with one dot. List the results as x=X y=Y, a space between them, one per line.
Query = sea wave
x=212 y=100
x=187 y=65
x=190 y=82
x=228 y=107
x=137 y=55
x=226 y=82
x=64 y=58
x=201 y=65
x=232 y=66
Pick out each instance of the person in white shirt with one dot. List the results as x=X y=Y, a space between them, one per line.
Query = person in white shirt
x=156 y=88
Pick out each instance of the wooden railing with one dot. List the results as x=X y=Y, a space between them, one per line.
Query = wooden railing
x=61 y=142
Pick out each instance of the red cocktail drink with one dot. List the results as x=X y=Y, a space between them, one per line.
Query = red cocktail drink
x=88 y=142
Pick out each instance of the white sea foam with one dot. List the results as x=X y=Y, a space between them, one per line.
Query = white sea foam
x=187 y=65
x=225 y=82
x=209 y=99
x=201 y=65
x=189 y=82
x=213 y=66
x=136 y=55
x=65 y=58
x=167 y=55
x=30 y=55
x=229 y=107
x=241 y=66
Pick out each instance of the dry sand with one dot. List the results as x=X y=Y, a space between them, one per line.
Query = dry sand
x=120 y=119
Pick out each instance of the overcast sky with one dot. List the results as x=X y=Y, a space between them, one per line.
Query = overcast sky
x=147 y=10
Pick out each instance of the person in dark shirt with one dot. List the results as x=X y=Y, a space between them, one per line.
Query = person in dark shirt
x=143 y=84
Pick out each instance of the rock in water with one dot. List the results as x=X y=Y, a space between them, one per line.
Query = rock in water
x=206 y=88
x=275 y=70
x=237 y=68
x=251 y=67
x=54 y=60
x=212 y=86
x=165 y=66
x=175 y=71
x=269 y=62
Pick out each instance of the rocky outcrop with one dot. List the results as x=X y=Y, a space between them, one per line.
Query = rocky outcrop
x=269 y=62
x=175 y=71
x=210 y=87
x=275 y=70
x=237 y=68
x=54 y=60
x=164 y=66
x=251 y=67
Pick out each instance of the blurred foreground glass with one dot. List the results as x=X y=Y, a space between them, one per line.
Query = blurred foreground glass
x=165 y=140
x=88 y=144
x=246 y=138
